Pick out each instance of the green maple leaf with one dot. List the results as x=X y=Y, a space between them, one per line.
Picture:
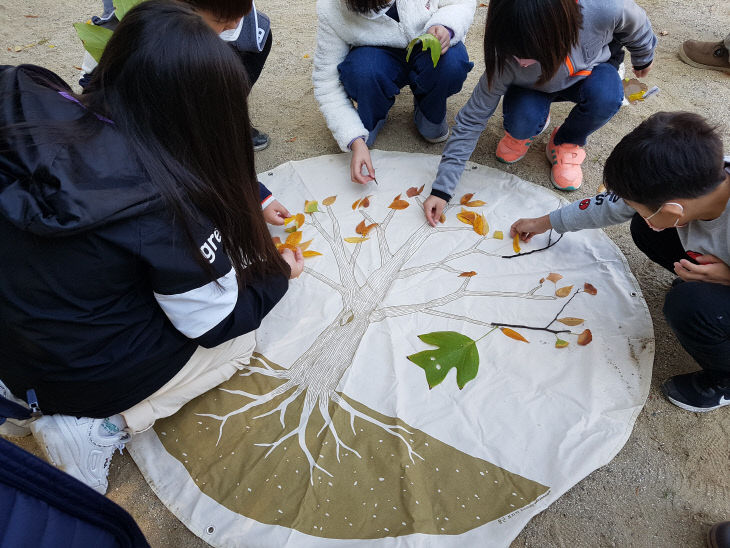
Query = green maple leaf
x=455 y=350
x=428 y=41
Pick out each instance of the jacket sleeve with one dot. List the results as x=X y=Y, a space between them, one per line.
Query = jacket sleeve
x=265 y=195
x=456 y=15
x=211 y=312
x=467 y=128
x=339 y=113
x=602 y=210
x=633 y=30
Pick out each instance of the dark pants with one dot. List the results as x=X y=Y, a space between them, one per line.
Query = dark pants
x=254 y=62
x=373 y=76
x=697 y=312
x=598 y=97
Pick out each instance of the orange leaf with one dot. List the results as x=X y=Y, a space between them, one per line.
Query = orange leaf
x=585 y=337
x=294 y=238
x=466 y=197
x=369 y=228
x=560 y=343
x=287 y=246
x=601 y=189
x=276 y=240
x=329 y=201
x=466 y=217
x=588 y=288
x=564 y=291
x=308 y=254
x=571 y=321
x=420 y=189
x=467 y=274
x=498 y=235
x=304 y=245
x=360 y=228
x=512 y=334
x=411 y=192
x=442 y=219
x=480 y=225
x=300 y=219
x=356 y=203
x=516 y=243
x=355 y=240
x=475 y=203
x=399 y=204
x=554 y=277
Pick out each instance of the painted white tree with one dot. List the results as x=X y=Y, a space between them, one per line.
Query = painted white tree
x=315 y=375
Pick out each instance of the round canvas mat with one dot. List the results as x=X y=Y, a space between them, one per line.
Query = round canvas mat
x=416 y=386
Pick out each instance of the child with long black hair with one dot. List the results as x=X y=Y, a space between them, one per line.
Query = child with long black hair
x=537 y=52
x=130 y=286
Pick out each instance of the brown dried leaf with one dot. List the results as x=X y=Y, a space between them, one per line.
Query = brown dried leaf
x=467 y=274
x=329 y=200
x=480 y=225
x=512 y=334
x=365 y=202
x=411 y=192
x=554 y=277
x=571 y=321
x=564 y=291
x=475 y=203
x=399 y=204
x=420 y=189
x=442 y=219
x=516 y=243
x=585 y=337
x=307 y=254
x=356 y=203
x=294 y=238
x=588 y=288
x=360 y=228
x=354 y=240
x=466 y=197
x=466 y=217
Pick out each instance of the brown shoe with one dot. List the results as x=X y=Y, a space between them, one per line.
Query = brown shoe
x=707 y=55
x=719 y=535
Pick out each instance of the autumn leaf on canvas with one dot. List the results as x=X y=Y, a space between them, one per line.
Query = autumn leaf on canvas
x=512 y=334
x=362 y=202
x=398 y=203
x=329 y=200
x=413 y=191
x=480 y=225
x=454 y=351
x=466 y=200
x=466 y=217
x=363 y=229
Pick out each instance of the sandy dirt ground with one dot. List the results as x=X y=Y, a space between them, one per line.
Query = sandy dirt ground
x=672 y=478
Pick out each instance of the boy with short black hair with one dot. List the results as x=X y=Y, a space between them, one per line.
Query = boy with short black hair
x=668 y=177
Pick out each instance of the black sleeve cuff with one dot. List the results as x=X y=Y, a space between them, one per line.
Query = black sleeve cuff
x=440 y=194
x=642 y=67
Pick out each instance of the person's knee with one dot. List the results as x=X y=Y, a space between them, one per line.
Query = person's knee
x=604 y=94
x=683 y=307
x=360 y=74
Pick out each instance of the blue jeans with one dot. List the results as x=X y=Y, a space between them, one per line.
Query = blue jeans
x=373 y=75
x=598 y=97
x=697 y=312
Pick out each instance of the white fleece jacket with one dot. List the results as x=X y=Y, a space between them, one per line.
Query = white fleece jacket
x=339 y=29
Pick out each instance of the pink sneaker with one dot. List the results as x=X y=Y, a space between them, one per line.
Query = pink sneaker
x=511 y=150
x=566 y=160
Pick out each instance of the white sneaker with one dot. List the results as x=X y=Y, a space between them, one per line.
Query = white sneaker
x=77 y=447
x=13 y=427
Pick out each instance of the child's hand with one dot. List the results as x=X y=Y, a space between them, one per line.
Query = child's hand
x=433 y=207
x=443 y=35
x=295 y=260
x=711 y=270
x=275 y=213
x=527 y=228
x=360 y=157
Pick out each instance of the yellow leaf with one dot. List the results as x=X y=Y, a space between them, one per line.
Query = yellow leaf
x=311 y=207
x=294 y=238
x=554 y=277
x=475 y=203
x=516 y=243
x=356 y=240
x=601 y=189
x=585 y=337
x=467 y=274
x=498 y=235
x=292 y=228
x=289 y=219
x=480 y=225
x=560 y=343
x=304 y=245
x=588 y=288
x=564 y=291
x=466 y=217
x=356 y=203
x=466 y=197
x=571 y=321
x=307 y=254
x=512 y=334
x=287 y=246
x=329 y=201
x=300 y=219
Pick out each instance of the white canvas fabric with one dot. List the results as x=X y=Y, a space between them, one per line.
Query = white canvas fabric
x=333 y=437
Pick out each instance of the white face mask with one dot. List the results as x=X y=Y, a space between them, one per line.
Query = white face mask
x=231 y=35
x=676 y=222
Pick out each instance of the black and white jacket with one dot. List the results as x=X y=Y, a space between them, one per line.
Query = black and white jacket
x=101 y=300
